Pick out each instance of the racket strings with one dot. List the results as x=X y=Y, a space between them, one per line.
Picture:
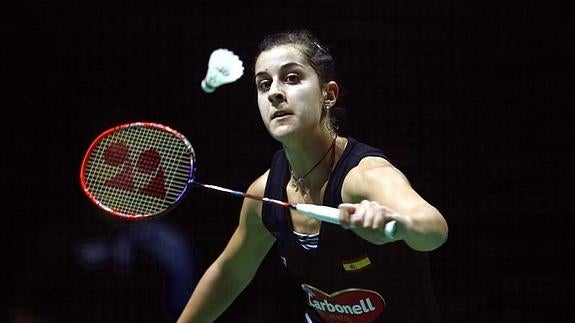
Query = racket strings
x=117 y=175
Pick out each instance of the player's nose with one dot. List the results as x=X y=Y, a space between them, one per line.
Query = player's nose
x=275 y=94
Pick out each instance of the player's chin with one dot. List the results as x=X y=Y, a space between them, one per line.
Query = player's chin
x=281 y=132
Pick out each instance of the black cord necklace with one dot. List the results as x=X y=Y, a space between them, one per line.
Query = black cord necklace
x=297 y=183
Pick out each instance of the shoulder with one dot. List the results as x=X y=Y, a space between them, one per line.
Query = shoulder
x=256 y=188
x=372 y=168
x=372 y=174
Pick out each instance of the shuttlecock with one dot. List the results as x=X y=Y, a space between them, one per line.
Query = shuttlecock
x=223 y=67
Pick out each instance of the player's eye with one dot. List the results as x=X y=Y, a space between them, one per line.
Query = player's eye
x=263 y=85
x=292 y=78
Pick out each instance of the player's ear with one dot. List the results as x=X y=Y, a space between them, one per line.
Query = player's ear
x=330 y=92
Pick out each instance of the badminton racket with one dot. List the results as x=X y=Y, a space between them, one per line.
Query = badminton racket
x=142 y=169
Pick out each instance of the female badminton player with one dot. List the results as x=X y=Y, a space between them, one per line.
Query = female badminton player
x=350 y=272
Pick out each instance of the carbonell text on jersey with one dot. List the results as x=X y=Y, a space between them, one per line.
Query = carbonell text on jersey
x=363 y=306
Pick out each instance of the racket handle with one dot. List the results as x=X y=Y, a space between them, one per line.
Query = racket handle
x=319 y=212
x=331 y=215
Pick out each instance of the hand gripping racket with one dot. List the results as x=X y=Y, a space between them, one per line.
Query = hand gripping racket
x=142 y=169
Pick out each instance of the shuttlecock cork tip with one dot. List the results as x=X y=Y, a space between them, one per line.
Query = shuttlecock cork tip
x=206 y=87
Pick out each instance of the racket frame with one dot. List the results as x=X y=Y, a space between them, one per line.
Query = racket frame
x=145 y=124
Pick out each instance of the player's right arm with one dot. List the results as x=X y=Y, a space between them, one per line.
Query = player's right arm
x=233 y=270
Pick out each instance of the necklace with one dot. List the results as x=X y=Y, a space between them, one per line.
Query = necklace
x=297 y=183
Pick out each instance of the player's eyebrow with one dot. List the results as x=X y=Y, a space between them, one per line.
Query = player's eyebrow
x=283 y=67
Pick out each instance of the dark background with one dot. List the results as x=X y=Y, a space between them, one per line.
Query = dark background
x=469 y=98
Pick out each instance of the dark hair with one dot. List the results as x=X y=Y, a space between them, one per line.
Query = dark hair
x=318 y=56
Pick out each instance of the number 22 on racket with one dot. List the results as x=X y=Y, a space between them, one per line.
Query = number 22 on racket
x=137 y=169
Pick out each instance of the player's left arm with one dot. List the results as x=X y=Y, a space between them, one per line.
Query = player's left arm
x=375 y=193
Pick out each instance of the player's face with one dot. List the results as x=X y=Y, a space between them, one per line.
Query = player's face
x=290 y=97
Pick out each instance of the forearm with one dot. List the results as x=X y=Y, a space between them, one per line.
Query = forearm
x=423 y=228
x=215 y=291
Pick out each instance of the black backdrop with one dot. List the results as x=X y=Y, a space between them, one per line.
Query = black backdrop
x=467 y=98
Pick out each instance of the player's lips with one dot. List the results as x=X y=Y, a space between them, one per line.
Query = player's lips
x=281 y=113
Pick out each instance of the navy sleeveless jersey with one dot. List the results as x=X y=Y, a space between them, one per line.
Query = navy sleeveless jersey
x=347 y=279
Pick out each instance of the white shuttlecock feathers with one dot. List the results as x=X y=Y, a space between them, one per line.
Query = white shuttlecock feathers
x=223 y=67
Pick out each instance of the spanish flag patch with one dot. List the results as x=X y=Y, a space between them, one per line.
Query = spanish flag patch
x=356 y=264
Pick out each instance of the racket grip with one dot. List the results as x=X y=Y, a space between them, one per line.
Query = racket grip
x=319 y=212
x=331 y=215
